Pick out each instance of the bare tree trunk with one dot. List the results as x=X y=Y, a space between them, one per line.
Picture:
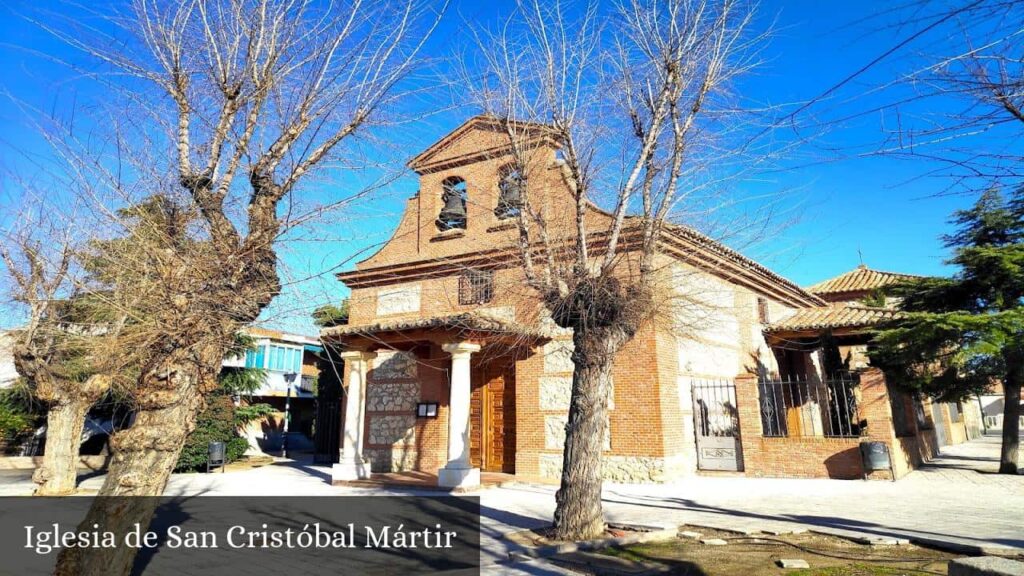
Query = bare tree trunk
x=69 y=404
x=144 y=457
x=64 y=423
x=578 y=511
x=1008 y=463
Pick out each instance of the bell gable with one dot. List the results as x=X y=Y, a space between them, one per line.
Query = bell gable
x=468 y=198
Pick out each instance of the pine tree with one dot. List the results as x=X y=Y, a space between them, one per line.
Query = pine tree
x=958 y=336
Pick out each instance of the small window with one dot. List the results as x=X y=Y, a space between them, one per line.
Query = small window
x=426 y=410
x=476 y=287
x=284 y=359
x=510 y=192
x=254 y=358
x=762 y=311
x=453 y=208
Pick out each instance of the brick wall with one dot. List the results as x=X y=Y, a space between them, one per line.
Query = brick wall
x=819 y=457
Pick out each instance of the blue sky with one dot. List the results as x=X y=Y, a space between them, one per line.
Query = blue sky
x=845 y=205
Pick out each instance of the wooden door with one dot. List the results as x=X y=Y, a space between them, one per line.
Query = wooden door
x=499 y=415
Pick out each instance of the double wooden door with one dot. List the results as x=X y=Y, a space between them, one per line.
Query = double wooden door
x=493 y=419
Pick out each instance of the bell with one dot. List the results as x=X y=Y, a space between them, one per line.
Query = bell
x=453 y=214
x=510 y=195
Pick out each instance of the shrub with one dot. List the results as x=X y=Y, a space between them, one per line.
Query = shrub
x=215 y=424
x=20 y=414
x=13 y=423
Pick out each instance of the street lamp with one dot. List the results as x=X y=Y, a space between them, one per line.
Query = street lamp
x=289 y=380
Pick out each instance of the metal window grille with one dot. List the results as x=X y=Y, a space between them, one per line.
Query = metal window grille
x=715 y=407
x=476 y=287
x=801 y=407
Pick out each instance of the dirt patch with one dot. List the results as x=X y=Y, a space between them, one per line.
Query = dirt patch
x=757 y=556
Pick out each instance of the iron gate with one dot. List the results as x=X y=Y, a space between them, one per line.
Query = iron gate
x=327 y=432
x=717 y=426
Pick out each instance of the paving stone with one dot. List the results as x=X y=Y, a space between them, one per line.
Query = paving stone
x=985 y=566
x=713 y=541
x=792 y=563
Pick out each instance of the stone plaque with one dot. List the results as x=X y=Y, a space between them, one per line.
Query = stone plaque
x=398 y=299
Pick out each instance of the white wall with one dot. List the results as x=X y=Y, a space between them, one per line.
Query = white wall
x=7 y=372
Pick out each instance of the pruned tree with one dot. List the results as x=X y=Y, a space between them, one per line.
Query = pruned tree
x=52 y=351
x=236 y=103
x=637 y=108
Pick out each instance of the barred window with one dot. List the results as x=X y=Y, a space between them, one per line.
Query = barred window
x=476 y=287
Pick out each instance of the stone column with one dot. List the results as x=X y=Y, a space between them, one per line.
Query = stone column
x=352 y=466
x=459 y=473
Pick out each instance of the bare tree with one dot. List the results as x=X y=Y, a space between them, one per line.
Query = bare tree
x=637 y=107
x=238 y=102
x=51 y=351
x=965 y=109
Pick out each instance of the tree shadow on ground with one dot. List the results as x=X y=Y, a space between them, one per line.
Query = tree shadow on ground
x=832 y=522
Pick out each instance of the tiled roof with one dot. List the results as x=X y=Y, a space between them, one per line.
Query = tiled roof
x=836 y=316
x=469 y=321
x=744 y=262
x=859 y=279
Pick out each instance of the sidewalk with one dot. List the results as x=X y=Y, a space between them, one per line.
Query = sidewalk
x=949 y=502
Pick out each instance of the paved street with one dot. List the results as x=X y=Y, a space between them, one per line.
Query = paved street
x=950 y=501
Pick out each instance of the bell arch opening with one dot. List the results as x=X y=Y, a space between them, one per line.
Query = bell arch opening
x=510 y=192
x=453 y=210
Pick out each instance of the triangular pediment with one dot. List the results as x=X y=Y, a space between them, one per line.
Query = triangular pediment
x=478 y=138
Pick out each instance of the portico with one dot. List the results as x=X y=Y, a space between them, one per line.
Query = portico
x=436 y=398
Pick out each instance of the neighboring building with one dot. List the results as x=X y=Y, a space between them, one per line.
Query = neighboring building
x=452 y=366
x=8 y=374
x=993 y=405
x=290 y=362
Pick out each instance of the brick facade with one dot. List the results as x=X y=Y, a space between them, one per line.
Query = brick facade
x=714 y=314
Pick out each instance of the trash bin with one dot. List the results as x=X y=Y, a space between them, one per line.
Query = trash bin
x=215 y=456
x=875 y=456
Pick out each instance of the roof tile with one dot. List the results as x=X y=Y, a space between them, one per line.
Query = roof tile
x=835 y=316
x=859 y=279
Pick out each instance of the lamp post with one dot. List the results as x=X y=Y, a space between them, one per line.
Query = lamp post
x=289 y=380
